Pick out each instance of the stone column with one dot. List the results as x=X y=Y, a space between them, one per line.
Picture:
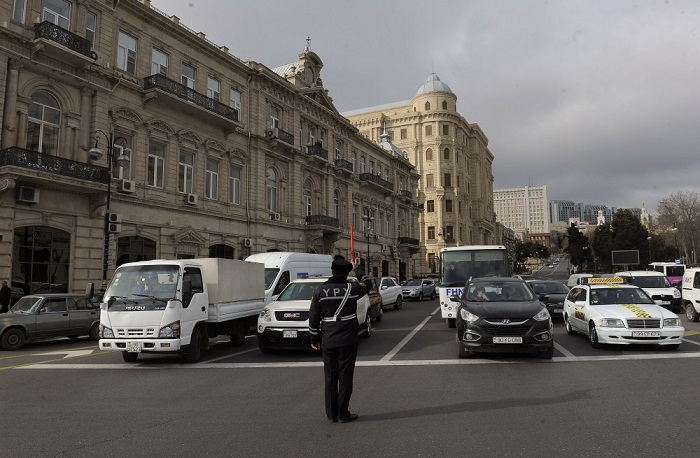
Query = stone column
x=10 y=117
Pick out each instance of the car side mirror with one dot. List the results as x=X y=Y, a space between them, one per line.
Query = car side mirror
x=89 y=290
x=454 y=298
x=544 y=297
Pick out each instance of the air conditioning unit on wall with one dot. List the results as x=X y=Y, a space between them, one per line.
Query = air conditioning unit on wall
x=115 y=218
x=272 y=133
x=275 y=216
x=28 y=195
x=128 y=186
x=247 y=242
x=191 y=199
x=383 y=247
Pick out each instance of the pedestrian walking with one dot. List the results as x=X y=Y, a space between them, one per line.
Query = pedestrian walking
x=333 y=328
x=5 y=297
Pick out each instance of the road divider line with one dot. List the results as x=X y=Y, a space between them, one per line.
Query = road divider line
x=406 y=339
x=691 y=342
x=564 y=351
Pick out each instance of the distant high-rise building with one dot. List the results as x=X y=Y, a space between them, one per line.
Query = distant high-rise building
x=524 y=210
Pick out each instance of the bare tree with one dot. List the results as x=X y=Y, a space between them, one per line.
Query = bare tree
x=682 y=210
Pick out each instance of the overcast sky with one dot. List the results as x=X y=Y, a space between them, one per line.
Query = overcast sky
x=598 y=100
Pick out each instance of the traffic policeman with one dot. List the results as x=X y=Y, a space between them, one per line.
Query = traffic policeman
x=333 y=327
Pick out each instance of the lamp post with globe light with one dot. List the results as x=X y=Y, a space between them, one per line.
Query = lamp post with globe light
x=368 y=232
x=122 y=160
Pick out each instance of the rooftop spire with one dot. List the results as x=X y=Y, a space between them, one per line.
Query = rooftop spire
x=307 y=48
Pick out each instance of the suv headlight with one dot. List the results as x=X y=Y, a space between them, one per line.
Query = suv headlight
x=170 y=331
x=265 y=315
x=676 y=293
x=672 y=322
x=612 y=323
x=467 y=316
x=105 y=332
x=543 y=315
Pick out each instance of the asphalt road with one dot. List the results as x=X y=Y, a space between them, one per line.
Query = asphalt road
x=414 y=397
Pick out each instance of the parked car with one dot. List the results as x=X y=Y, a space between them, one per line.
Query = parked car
x=390 y=290
x=41 y=316
x=552 y=294
x=609 y=311
x=418 y=288
x=501 y=314
x=284 y=322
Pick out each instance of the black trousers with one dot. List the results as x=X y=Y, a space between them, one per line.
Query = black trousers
x=339 y=369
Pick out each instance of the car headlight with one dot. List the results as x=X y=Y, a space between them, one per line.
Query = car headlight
x=542 y=315
x=612 y=323
x=105 y=332
x=467 y=316
x=676 y=293
x=170 y=331
x=265 y=315
x=672 y=322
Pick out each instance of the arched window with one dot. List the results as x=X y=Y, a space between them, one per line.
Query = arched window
x=306 y=198
x=446 y=154
x=444 y=104
x=429 y=154
x=40 y=260
x=427 y=106
x=44 y=123
x=221 y=251
x=271 y=190
x=336 y=204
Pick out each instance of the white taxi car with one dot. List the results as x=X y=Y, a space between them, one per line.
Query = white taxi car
x=284 y=322
x=609 y=311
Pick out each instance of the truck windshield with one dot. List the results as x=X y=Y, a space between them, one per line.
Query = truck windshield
x=159 y=281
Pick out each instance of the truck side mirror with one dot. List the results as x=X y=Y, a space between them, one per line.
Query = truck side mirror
x=186 y=292
x=89 y=290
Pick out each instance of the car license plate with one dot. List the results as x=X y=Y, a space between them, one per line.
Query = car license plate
x=133 y=347
x=646 y=333
x=289 y=334
x=508 y=340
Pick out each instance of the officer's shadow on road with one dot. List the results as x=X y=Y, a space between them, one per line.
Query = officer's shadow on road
x=475 y=406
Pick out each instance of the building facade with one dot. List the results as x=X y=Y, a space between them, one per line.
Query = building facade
x=451 y=156
x=525 y=210
x=217 y=157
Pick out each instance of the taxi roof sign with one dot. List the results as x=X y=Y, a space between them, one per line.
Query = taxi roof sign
x=603 y=280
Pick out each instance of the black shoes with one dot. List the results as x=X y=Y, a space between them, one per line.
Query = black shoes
x=349 y=418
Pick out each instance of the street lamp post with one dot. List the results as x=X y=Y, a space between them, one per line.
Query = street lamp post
x=674 y=229
x=122 y=161
x=650 y=258
x=368 y=219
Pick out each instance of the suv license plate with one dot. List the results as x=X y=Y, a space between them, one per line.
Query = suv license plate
x=289 y=334
x=133 y=347
x=508 y=340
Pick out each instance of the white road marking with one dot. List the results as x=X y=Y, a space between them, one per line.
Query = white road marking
x=563 y=350
x=68 y=353
x=406 y=339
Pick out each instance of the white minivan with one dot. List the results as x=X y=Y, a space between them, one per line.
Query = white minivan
x=657 y=286
x=691 y=293
x=281 y=267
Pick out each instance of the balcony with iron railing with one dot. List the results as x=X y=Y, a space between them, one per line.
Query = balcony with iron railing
x=376 y=180
x=318 y=151
x=406 y=193
x=323 y=222
x=345 y=165
x=63 y=44
x=53 y=165
x=180 y=92
x=408 y=241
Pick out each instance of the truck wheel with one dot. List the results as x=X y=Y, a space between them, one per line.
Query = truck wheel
x=13 y=339
x=129 y=357
x=398 y=304
x=451 y=322
x=691 y=313
x=238 y=338
x=194 y=350
x=432 y=296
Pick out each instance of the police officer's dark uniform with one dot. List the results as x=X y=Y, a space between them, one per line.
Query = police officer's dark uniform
x=333 y=323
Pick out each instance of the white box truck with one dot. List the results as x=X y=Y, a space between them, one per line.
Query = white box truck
x=281 y=267
x=178 y=305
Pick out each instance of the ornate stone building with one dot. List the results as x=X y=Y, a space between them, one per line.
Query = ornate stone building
x=217 y=156
x=452 y=158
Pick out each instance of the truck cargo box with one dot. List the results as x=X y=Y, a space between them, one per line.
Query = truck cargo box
x=231 y=280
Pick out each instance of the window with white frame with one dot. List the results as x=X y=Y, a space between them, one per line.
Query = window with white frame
x=271 y=190
x=159 y=62
x=185 y=173
x=213 y=88
x=274 y=117
x=234 y=185
x=336 y=204
x=188 y=75
x=91 y=28
x=307 y=198
x=126 y=54
x=211 y=179
x=156 y=163
x=354 y=216
x=353 y=160
x=19 y=11
x=57 y=12
x=44 y=123
x=235 y=103
x=338 y=149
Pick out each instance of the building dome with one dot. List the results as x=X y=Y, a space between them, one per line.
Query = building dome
x=433 y=84
x=386 y=144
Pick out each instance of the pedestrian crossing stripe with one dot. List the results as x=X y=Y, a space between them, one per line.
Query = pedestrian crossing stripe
x=638 y=311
